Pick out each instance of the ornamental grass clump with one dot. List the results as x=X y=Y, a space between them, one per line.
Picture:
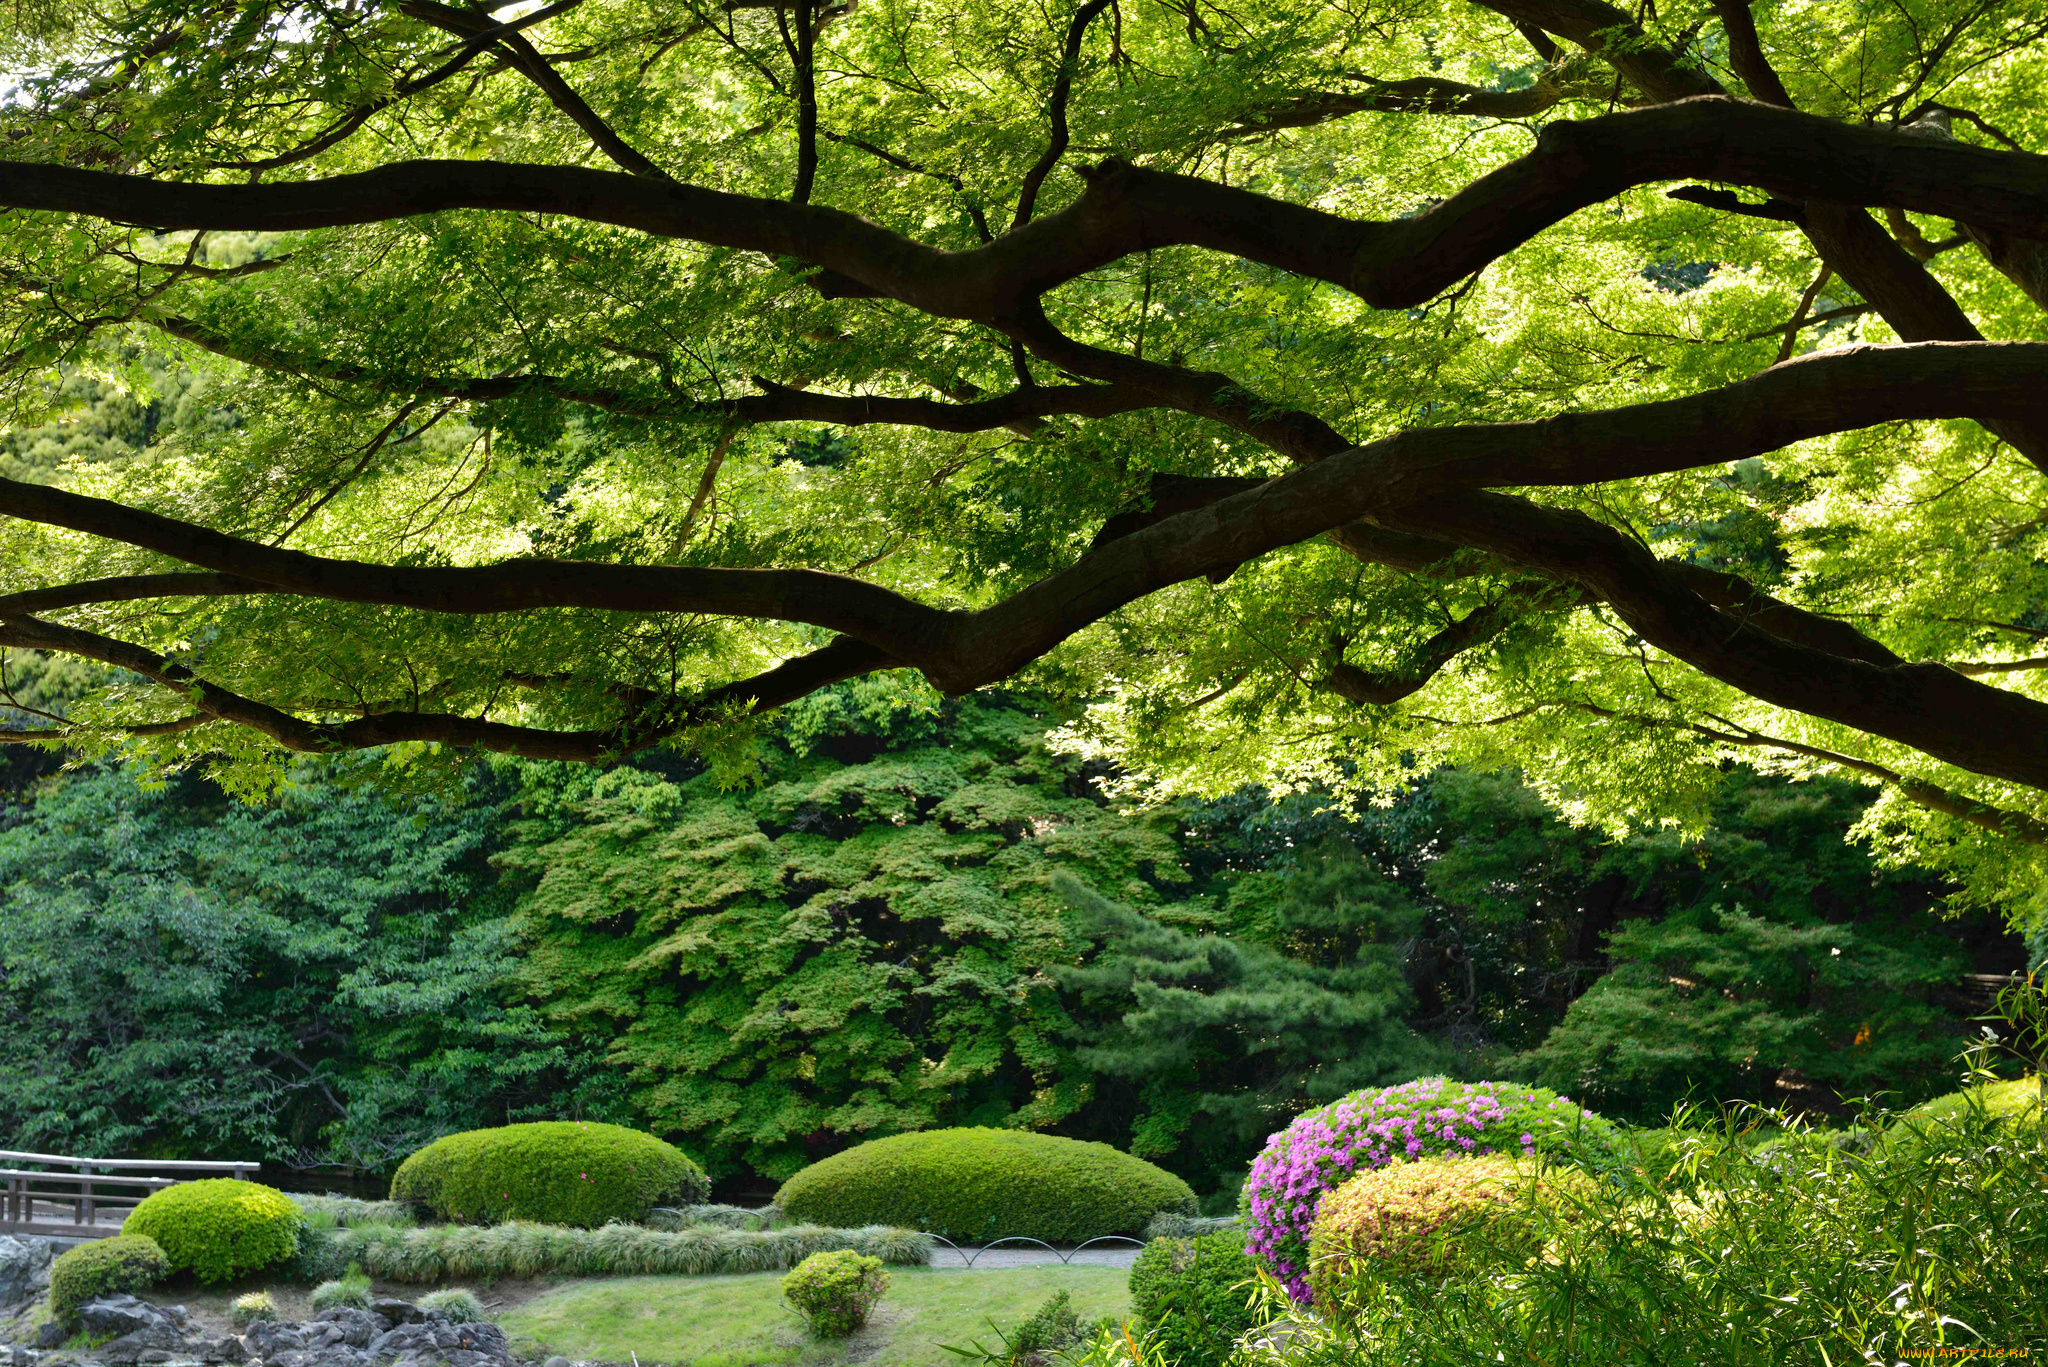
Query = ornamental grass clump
x=351 y=1291
x=835 y=1293
x=252 y=1307
x=458 y=1303
x=1381 y=1125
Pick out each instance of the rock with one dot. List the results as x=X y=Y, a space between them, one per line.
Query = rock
x=346 y=1324
x=437 y=1342
x=272 y=1339
x=24 y=1270
x=398 y=1311
x=14 y=1355
x=51 y=1335
x=122 y=1315
x=220 y=1350
x=557 y=1361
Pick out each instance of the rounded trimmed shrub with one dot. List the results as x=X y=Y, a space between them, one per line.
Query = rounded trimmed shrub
x=219 y=1228
x=552 y=1172
x=979 y=1184
x=126 y=1262
x=1432 y=1218
x=835 y=1292
x=1380 y=1125
x=1194 y=1296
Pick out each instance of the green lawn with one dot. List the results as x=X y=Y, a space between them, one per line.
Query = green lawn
x=742 y=1321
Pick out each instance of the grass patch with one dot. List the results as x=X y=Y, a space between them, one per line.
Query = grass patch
x=742 y=1321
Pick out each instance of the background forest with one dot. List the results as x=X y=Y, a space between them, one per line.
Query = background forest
x=890 y=913
x=885 y=911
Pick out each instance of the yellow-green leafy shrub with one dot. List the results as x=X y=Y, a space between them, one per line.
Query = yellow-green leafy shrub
x=219 y=1228
x=1429 y=1218
x=558 y=1172
x=835 y=1292
x=126 y=1262
x=986 y=1184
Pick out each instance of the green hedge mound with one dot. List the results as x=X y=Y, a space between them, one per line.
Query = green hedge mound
x=219 y=1228
x=981 y=1184
x=126 y=1262
x=554 y=1172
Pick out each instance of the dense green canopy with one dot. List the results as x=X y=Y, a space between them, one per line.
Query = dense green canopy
x=1316 y=387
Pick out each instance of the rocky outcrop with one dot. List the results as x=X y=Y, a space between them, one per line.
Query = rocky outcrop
x=24 y=1271
x=394 y=1333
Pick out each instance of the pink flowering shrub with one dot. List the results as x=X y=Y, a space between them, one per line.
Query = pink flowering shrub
x=1382 y=1125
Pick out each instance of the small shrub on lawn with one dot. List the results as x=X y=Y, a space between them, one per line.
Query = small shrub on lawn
x=219 y=1228
x=1054 y=1328
x=252 y=1307
x=351 y=1291
x=979 y=1184
x=566 y=1172
x=126 y=1262
x=1381 y=1125
x=835 y=1292
x=1195 y=1295
x=456 y=1303
x=437 y=1253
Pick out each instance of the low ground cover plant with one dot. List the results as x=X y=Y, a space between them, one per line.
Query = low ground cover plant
x=1054 y=1328
x=126 y=1262
x=1196 y=1297
x=1323 y=1148
x=330 y=1211
x=435 y=1253
x=219 y=1228
x=980 y=1184
x=565 y=1172
x=834 y=1293
x=1901 y=1253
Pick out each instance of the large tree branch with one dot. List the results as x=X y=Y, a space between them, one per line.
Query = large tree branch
x=842 y=659
x=528 y=63
x=1056 y=112
x=776 y=402
x=1127 y=209
x=1386 y=481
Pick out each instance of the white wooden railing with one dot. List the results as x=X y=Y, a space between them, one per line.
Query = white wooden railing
x=48 y=1193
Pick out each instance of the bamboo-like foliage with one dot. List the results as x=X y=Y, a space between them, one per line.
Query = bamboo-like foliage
x=434 y=1253
x=1709 y=1253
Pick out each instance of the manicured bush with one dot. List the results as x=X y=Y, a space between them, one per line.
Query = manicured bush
x=1380 y=1125
x=562 y=1172
x=458 y=1303
x=1432 y=1218
x=1195 y=1296
x=437 y=1253
x=252 y=1307
x=350 y=1292
x=219 y=1228
x=126 y=1262
x=835 y=1292
x=980 y=1184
